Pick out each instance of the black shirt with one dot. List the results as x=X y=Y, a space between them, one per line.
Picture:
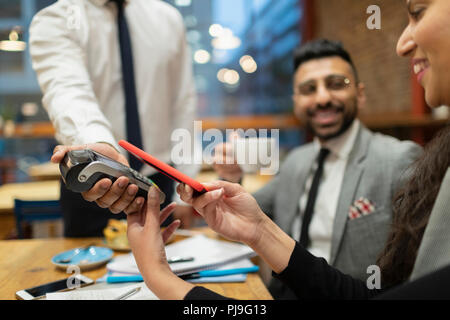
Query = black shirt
x=313 y=278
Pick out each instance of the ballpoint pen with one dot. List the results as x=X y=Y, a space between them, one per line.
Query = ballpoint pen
x=218 y=273
x=128 y=294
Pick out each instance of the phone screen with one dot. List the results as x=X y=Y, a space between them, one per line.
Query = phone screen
x=50 y=287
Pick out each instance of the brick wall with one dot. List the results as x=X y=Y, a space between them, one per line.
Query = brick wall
x=386 y=76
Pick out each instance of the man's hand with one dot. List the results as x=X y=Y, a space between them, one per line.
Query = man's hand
x=117 y=196
x=225 y=164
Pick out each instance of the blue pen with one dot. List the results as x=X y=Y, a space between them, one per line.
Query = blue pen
x=118 y=279
x=219 y=273
x=205 y=273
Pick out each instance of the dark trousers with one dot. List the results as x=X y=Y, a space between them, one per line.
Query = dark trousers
x=86 y=219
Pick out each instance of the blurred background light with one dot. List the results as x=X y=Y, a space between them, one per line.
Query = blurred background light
x=248 y=64
x=190 y=21
x=215 y=30
x=202 y=56
x=30 y=109
x=13 y=44
x=183 y=3
x=224 y=38
x=221 y=74
x=231 y=77
x=193 y=36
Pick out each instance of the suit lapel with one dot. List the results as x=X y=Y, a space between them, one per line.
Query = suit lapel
x=350 y=184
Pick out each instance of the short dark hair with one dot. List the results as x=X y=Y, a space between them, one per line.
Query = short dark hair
x=322 y=48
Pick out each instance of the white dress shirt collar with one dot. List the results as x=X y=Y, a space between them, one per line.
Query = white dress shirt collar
x=342 y=145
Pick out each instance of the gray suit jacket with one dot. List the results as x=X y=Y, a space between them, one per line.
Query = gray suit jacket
x=434 y=250
x=375 y=169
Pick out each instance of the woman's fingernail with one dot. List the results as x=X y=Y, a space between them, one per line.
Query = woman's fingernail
x=217 y=193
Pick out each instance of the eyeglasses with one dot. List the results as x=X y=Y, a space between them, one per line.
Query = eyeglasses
x=332 y=83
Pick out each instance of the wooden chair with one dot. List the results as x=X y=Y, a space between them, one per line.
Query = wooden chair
x=27 y=211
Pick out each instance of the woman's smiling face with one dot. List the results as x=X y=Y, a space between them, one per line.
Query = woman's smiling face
x=426 y=40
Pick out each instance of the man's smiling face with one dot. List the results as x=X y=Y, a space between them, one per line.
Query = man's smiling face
x=326 y=96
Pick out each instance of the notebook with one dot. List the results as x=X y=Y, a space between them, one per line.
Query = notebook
x=208 y=254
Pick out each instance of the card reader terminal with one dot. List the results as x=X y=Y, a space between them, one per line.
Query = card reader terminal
x=81 y=169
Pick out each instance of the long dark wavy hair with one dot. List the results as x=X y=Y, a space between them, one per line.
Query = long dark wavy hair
x=412 y=209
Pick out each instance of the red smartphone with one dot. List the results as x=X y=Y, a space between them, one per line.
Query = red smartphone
x=164 y=168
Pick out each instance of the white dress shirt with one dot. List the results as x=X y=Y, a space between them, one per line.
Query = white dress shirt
x=321 y=227
x=75 y=52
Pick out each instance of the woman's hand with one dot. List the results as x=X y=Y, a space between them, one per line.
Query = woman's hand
x=144 y=233
x=228 y=209
x=147 y=243
x=117 y=196
x=231 y=211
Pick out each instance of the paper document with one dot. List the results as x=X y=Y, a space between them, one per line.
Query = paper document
x=241 y=277
x=103 y=292
x=208 y=254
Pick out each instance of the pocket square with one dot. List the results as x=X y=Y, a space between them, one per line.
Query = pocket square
x=361 y=207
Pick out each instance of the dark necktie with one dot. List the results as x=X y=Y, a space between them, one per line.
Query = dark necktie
x=309 y=210
x=131 y=105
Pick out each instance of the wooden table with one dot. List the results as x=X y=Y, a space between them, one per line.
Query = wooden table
x=26 y=263
x=39 y=190
x=44 y=171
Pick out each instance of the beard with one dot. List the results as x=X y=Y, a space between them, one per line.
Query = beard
x=347 y=120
